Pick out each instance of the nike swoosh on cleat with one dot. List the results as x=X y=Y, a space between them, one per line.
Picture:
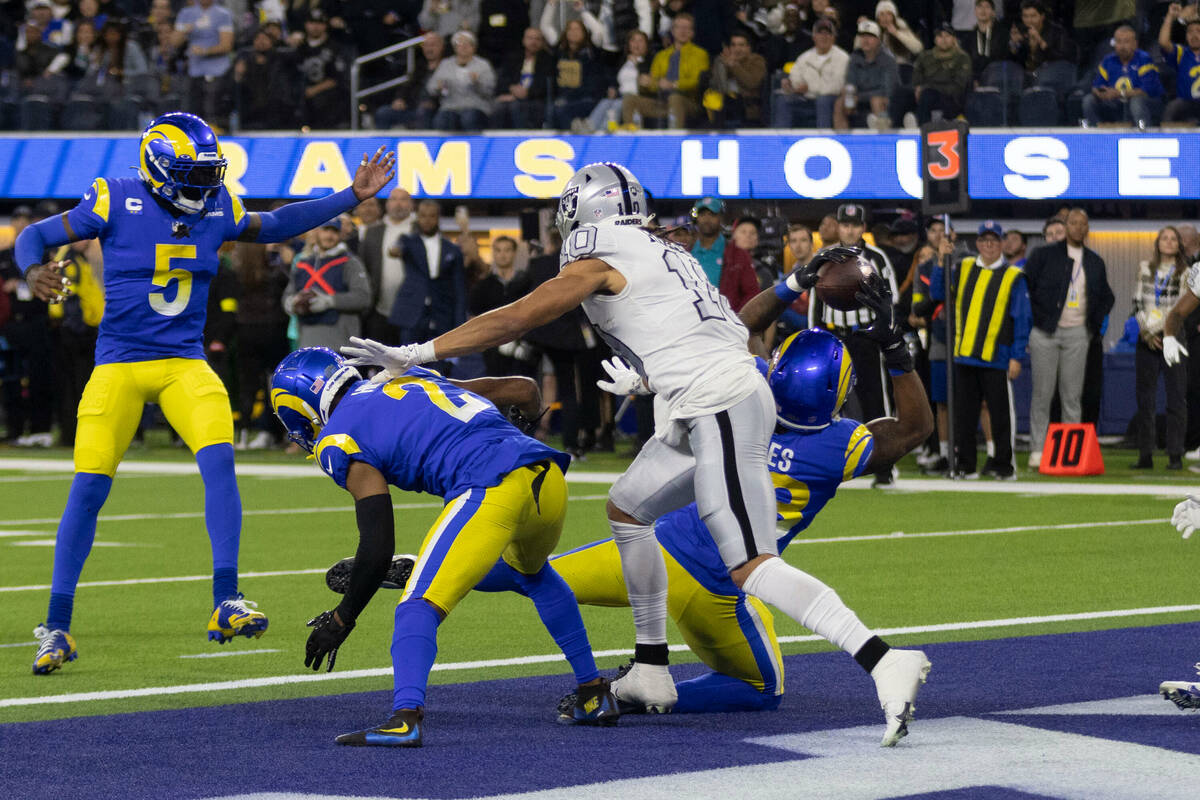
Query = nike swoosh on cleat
x=402 y=729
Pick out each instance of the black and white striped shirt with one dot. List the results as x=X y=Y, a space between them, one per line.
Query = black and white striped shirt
x=822 y=315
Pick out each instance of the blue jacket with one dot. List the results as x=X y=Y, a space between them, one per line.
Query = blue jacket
x=1139 y=73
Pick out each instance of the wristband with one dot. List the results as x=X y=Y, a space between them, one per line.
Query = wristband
x=897 y=358
x=425 y=352
x=786 y=293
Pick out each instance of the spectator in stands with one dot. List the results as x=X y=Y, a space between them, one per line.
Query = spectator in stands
x=503 y=284
x=738 y=76
x=900 y=249
x=827 y=230
x=88 y=11
x=941 y=78
x=28 y=388
x=987 y=41
x=871 y=78
x=785 y=47
x=448 y=17
x=262 y=276
x=1186 y=61
x=205 y=30
x=1014 y=246
x=503 y=27
x=384 y=263
x=746 y=234
x=464 y=86
x=169 y=64
x=432 y=298
x=321 y=65
x=607 y=113
x=557 y=14
x=263 y=79
x=1157 y=287
x=898 y=38
x=74 y=60
x=727 y=266
x=811 y=89
x=674 y=79
x=39 y=41
x=328 y=290
x=414 y=105
x=1054 y=230
x=1035 y=39
x=1094 y=23
x=581 y=78
x=527 y=74
x=1126 y=86
x=375 y=24
x=1070 y=297
x=145 y=29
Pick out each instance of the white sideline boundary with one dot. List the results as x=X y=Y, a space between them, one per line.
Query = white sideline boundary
x=895 y=535
x=379 y=672
x=307 y=470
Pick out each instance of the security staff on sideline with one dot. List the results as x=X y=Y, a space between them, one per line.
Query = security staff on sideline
x=871 y=387
x=992 y=319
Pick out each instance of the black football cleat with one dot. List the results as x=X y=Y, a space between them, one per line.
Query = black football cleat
x=402 y=730
x=337 y=577
x=589 y=705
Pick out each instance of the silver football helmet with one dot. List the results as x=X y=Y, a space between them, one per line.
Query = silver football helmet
x=603 y=192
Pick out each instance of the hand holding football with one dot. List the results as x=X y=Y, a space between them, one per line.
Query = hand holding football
x=839 y=281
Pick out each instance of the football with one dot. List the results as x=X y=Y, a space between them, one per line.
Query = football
x=839 y=281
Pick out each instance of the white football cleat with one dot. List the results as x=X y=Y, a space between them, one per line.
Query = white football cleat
x=1184 y=694
x=898 y=677
x=647 y=685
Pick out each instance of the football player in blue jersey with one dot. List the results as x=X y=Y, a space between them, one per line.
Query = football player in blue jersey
x=160 y=233
x=505 y=501
x=812 y=452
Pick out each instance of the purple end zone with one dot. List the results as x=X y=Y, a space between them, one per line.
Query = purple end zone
x=499 y=736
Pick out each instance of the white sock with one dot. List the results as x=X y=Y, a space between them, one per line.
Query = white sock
x=991 y=448
x=944 y=449
x=808 y=601
x=645 y=580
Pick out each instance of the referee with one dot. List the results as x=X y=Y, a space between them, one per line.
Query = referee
x=871 y=385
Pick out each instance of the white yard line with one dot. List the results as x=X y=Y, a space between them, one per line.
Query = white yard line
x=18 y=644
x=379 y=672
x=894 y=536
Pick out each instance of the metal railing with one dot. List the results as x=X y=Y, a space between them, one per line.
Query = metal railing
x=357 y=93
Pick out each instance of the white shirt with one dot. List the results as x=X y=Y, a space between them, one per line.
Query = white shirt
x=824 y=74
x=433 y=253
x=1074 y=312
x=669 y=322
x=391 y=276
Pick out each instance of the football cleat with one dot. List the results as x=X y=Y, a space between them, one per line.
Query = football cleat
x=1182 y=693
x=56 y=648
x=337 y=577
x=589 y=705
x=236 y=616
x=898 y=677
x=649 y=686
x=402 y=730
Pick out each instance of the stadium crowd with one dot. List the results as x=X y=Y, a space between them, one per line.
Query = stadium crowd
x=396 y=272
x=597 y=65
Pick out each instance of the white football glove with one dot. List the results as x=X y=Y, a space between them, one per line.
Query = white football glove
x=1173 y=351
x=625 y=380
x=394 y=360
x=1186 y=518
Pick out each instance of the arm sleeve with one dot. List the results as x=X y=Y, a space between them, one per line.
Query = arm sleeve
x=1151 y=83
x=84 y=221
x=376 y=543
x=297 y=218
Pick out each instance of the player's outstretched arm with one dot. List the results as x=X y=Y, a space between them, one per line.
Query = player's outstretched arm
x=515 y=390
x=767 y=306
x=296 y=218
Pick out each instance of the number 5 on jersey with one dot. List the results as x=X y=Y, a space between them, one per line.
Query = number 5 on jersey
x=164 y=274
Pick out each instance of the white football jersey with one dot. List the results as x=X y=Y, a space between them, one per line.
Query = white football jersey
x=669 y=322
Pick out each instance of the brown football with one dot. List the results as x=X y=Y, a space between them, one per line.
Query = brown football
x=839 y=281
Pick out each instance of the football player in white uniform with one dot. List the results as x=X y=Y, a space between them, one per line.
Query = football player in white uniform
x=1186 y=518
x=649 y=299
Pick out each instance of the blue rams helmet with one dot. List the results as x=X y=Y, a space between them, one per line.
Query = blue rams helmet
x=810 y=376
x=303 y=388
x=181 y=162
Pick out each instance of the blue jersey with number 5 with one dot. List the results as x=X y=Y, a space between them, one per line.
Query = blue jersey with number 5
x=157 y=268
x=426 y=435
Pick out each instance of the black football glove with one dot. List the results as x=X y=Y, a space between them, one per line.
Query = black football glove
x=327 y=636
x=876 y=295
x=805 y=277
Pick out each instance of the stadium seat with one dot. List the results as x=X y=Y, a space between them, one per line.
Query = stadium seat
x=1057 y=75
x=1009 y=78
x=123 y=114
x=985 y=108
x=83 y=113
x=37 y=113
x=1039 y=108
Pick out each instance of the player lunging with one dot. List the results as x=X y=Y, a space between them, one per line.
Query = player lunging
x=812 y=452
x=505 y=501
x=160 y=233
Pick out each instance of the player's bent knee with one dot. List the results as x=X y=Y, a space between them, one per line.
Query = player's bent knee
x=741 y=574
x=617 y=515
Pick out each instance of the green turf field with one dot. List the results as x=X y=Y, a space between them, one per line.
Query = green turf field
x=1073 y=555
